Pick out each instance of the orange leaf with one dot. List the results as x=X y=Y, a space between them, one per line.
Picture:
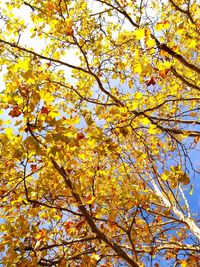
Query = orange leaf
x=69 y=30
x=15 y=112
x=80 y=224
x=80 y=136
x=68 y=225
x=90 y=200
x=163 y=73
x=44 y=110
x=33 y=167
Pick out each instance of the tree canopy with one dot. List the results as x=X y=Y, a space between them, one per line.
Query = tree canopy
x=99 y=133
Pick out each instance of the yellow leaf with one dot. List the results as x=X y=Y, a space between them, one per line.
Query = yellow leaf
x=145 y=121
x=56 y=55
x=91 y=200
x=72 y=121
x=150 y=42
x=162 y=25
x=183 y=263
x=95 y=257
x=167 y=65
x=137 y=53
x=9 y=132
x=192 y=44
x=139 y=34
x=137 y=68
x=47 y=97
x=138 y=95
x=82 y=156
x=152 y=129
x=164 y=177
x=54 y=113
x=22 y=64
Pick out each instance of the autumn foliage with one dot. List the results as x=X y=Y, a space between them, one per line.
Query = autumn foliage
x=100 y=133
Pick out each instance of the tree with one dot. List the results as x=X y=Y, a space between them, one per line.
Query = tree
x=98 y=155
